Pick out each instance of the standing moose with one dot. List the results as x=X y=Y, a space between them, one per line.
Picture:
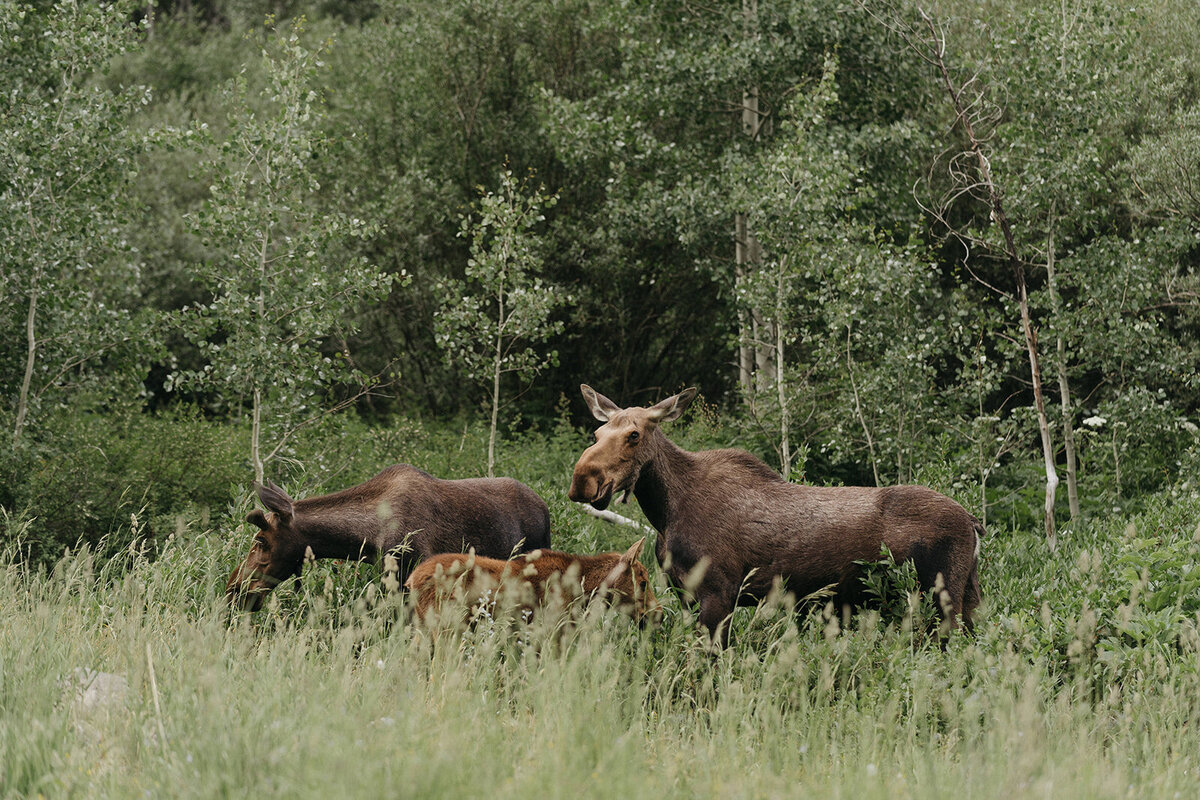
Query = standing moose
x=401 y=510
x=732 y=513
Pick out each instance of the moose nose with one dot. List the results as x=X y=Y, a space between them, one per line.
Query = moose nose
x=652 y=618
x=583 y=487
x=250 y=600
x=243 y=594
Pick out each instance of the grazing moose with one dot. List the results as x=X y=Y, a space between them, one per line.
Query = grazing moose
x=729 y=511
x=529 y=583
x=401 y=510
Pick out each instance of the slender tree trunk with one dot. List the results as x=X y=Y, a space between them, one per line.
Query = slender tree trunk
x=983 y=503
x=1116 y=460
x=30 y=355
x=858 y=410
x=497 y=364
x=764 y=356
x=755 y=353
x=256 y=412
x=996 y=201
x=745 y=353
x=255 y=436
x=785 y=447
x=491 y=461
x=1040 y=403
x=1064 y=388
x=985 y=468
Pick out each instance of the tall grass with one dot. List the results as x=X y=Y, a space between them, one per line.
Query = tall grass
x=322 y=695
x=1082 y=680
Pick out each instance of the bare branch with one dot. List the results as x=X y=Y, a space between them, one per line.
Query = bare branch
x=613 y=517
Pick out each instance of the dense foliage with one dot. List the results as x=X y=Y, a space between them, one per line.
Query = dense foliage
x=266 y=223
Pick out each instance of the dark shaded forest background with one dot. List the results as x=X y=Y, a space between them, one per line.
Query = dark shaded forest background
x=234 y=232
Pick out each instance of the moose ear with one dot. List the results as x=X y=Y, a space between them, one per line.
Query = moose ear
x=634 y=552
x=672 y=407
x=257 y=517
x=601 y=407
x=276 y=500
x=626 y=561
x=615 y=573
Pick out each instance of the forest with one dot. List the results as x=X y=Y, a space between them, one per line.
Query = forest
x=953 y=243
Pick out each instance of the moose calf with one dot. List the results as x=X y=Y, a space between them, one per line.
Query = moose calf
x=537 y=580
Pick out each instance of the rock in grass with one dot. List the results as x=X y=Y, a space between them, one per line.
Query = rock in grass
x=93 y=691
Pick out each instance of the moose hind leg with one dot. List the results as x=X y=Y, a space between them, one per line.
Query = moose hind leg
x=971 y=598
x=938 y=569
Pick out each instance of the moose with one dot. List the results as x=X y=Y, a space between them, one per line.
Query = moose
x=535 y=581
x=728 y=513
x=402 y=510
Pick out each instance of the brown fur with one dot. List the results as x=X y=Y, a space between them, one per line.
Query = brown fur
x=729 y=510
x=540 y=579
x=401 y=510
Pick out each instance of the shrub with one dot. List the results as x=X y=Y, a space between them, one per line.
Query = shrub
x=87 y=474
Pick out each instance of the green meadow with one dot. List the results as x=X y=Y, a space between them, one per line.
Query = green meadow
x=1082 y=678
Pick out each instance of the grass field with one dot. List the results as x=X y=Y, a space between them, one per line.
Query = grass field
x=1082 y=680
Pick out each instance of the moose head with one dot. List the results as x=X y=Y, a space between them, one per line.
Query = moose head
x=624 y=444
x=627 y=587
x=277 y=553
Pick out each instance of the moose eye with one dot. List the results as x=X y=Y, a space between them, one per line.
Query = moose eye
x=261 y=542
x=634 y=436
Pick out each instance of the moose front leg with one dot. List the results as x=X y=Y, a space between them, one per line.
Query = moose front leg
x=716 y=614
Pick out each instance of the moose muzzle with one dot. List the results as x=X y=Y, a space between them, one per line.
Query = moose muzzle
x=588 y=486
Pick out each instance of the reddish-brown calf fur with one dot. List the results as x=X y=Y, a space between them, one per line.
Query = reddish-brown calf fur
x=401 y=510
x=529 y=583
x=730 y=511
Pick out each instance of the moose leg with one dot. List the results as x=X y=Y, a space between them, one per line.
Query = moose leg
x=716 y=612
x=850 y=592
x=962 y=586
x=971 y=599
x=946 y=573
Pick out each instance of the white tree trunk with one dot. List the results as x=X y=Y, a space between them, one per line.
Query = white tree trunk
x=1040 y=404
x=862 y=419
x=256 y=436
x=497 y=365
x=256 y=415
x=785 y=447
x=491 y=458
x=1064 y=388
x=756 y=371
x=745 y=353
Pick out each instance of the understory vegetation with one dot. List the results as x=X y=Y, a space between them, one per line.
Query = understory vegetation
x=1082 y=678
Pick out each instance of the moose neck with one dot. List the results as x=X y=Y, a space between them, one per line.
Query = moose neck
x=663 y=479
x=334 y=532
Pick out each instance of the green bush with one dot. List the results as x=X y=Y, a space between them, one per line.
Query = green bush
x=88 y=475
